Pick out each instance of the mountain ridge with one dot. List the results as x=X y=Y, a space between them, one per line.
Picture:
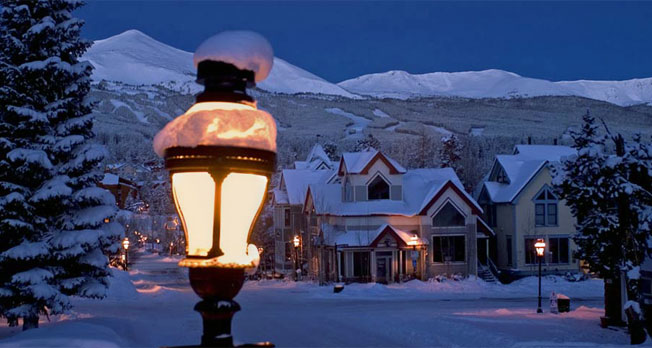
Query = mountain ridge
x=135 y=58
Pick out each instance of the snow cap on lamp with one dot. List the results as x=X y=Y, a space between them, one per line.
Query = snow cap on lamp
x=244 y=49
x=233 y=57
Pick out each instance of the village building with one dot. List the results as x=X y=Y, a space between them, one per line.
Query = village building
x=122 y=189
x=287 y=202
x=521 y=207
x=371 y=220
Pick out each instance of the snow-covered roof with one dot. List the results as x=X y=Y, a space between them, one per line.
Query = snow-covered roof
x=420 y=186
x=316 y=159
x=297 y=182
x=358 y=162
x=110 y=179
x=363 y=237
x=280 y=196
x=521 y=167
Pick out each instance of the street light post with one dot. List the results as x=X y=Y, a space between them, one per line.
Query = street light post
x=125 y=246
x=221 y=154
x=540 y=247
x=296 y=242
x=414 y=241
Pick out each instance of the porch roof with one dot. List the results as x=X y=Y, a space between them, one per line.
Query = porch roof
x=364 y=238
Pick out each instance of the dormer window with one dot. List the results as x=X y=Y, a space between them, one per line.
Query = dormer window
x=378 y=188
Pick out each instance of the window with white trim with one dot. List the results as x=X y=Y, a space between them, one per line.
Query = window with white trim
x=559 y=250
x=448 y=249
x=448 y=216
x=545 y=208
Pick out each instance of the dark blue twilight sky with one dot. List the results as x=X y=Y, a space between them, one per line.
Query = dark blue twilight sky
x=341 y=40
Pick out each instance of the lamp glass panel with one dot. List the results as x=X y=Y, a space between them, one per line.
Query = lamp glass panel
x=242 y=196
x=194 y=197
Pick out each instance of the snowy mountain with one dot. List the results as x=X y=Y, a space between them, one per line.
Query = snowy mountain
x=495 y=84
x=135 y=58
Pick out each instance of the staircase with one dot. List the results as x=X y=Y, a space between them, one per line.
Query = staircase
x=485 y=274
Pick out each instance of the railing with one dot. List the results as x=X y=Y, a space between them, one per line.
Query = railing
x=493 y=268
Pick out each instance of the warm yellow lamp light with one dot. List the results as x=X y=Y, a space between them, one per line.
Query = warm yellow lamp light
x=125 y=243
x=540 y=246
x=296 y=241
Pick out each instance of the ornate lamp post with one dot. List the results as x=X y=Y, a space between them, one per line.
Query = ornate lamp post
x=540 y=247
x=296 y=241
x=221 y=154
x=125 y=246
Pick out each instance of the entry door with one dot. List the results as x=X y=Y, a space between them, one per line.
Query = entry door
x=383 y=269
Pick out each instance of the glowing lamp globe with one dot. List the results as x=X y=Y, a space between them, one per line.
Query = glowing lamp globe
x=414 y=240
x=540 y=247
x=125 y=243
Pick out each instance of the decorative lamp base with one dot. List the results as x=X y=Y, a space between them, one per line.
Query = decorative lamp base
x=217 y=287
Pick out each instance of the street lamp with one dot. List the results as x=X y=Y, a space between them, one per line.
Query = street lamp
x=540 y=247
x=296 y=242
x=414 y=242
x=221 y=154
x=125 y=246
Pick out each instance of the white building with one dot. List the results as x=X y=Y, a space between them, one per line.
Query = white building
x=373 y=220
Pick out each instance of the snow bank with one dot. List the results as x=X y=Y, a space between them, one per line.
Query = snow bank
x=244 y=49
x=218 y=123
x=470 y=288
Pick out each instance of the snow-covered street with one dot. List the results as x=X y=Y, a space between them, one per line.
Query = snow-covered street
x=152 y=306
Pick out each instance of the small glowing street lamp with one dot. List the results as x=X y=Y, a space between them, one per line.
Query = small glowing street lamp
x=296 y=241
x=540 y=247
x=125 y=246
x=414 y=242
x=221 y=154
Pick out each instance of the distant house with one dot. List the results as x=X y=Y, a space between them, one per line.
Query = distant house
x=520 y=206
x=120 y=187
x=373 y=220
x=288 y=199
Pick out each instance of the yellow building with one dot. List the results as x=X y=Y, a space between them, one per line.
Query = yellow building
x=520 y=206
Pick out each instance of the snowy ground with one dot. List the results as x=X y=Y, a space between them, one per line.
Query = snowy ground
x=152 y=306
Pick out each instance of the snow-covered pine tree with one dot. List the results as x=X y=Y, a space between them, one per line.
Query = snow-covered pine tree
x=609 y=195
x=450 y=153
x=51 y=214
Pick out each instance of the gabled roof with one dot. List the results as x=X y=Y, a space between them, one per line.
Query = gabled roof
x=421 y=187
x=316 y=159
x=361 y=162
x=521 y=168
x=297 y=182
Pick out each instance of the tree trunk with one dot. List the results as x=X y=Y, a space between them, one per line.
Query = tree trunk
x=30 y=323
